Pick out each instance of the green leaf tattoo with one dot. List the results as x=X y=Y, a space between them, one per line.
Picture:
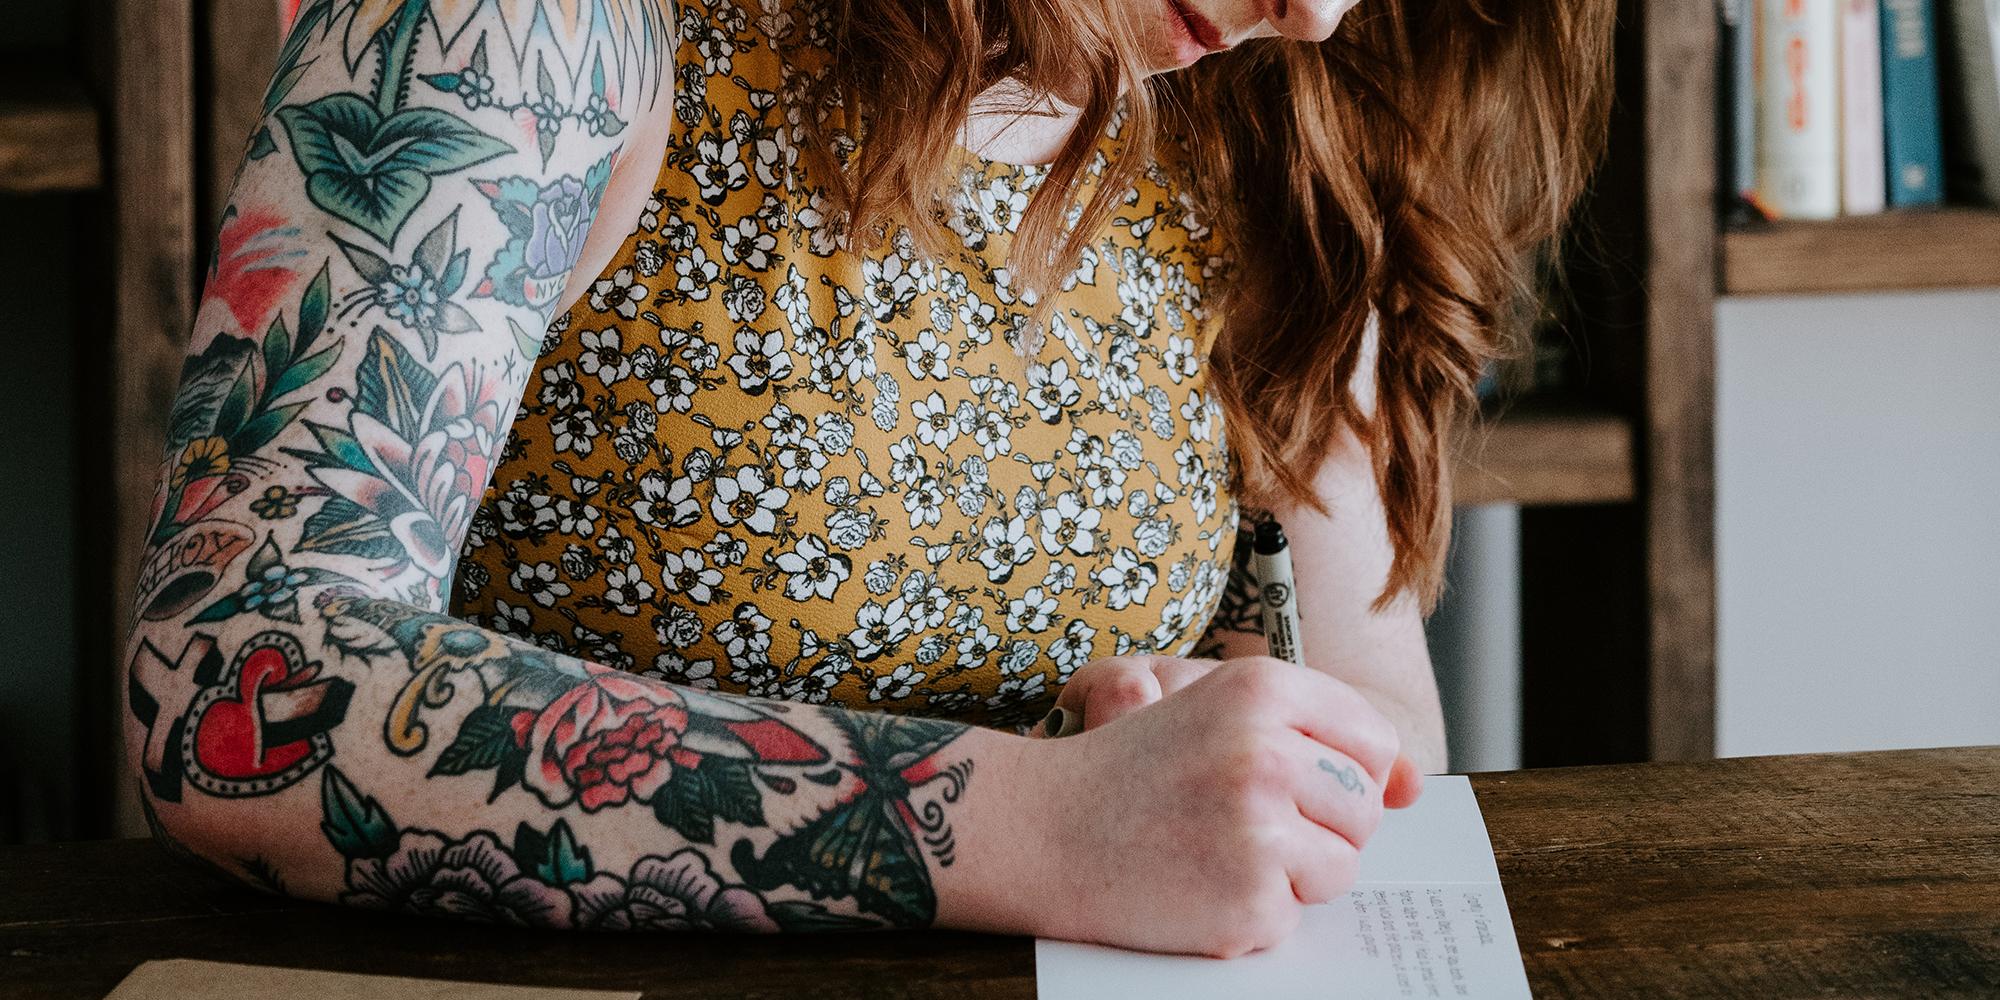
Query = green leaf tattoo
x=369 y=160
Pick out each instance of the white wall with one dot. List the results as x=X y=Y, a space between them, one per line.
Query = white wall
x=1858 y=522
x=1475 y=639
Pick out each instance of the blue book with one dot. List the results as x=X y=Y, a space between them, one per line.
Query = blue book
x=1910 y=103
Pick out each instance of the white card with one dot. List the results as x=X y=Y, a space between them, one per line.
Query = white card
x=1426 y=919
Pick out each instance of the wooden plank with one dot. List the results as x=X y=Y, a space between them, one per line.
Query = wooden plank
x=154 y=178
x=1541 y=457
x=239 y=53
x=1680 y=50
x=1952 y=248
x=1755 y=877
x=48 y=128
x=48 y=146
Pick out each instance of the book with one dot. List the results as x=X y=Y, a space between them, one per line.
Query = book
x=1798 y=138
x=1973 y=102
x=1910 y=104
x=1736 y=138
x=1427 y=917
x=1864 y=184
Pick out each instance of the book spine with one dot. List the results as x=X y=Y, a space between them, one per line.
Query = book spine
x=1910 y=103
x=1739 y=101
x=1975 y=33
x=1799 y=137
x=1863 y=179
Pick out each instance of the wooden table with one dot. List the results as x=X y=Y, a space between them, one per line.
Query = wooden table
x=1836 y=875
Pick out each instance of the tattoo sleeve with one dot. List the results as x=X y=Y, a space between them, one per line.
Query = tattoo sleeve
x=305 y=718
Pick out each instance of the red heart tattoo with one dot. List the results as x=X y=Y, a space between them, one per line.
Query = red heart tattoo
x=264 y=724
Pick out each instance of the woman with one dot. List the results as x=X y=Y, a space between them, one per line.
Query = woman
x=997 y=274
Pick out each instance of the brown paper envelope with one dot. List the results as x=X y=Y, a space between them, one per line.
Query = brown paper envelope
x=188 y=979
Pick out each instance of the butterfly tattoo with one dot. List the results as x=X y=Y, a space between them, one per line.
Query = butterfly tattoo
x=866 y=848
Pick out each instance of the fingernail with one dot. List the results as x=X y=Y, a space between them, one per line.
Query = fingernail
x=1052 y=724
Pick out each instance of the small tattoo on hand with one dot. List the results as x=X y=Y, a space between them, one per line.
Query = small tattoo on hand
x=1348 y=779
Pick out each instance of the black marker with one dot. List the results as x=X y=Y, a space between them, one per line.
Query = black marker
x=1271 y=562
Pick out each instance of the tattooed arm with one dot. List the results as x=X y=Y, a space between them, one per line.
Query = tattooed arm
x=411 y=213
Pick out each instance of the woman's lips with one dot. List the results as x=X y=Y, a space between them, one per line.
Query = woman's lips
x=1198 y=30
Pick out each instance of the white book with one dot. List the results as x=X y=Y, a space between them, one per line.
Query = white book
x=1864 y=179
x=1976 y=28
x=1799 y=87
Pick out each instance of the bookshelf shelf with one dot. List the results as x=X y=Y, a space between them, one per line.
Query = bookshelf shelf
x=48 y=131
x=1542 y=457
x=1894 y=251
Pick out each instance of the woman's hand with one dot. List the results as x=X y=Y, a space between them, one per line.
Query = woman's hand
x=1204 y=822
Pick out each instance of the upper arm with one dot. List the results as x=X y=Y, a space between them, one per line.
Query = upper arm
x=405 y=222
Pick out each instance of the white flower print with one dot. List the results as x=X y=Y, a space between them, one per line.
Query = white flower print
x=749 y=498
x=1019 y=657
x=720 y=169
x=665 y=504
x=574 y=430
x=1072 y=649
x=1060 y=577
x=811 y=569
x=800 y=463
x=1119 y=380
x=836 y=433
x=746 y=634
x=1179 y=359
x=726 y=549
x=744 y=298
x=694 y=273
x=1000 y=206
x=896 y=685
x=648 y=258
x=1006 y=545
x=678 y=627
x=1178 y=576
x=688 y=574
x=626 y=589
x=1198 y=411
x=1051 y=389
x=759 y=360
x=1070 y=524
x=677 y=669
x=1154 y=536
x=975 y=646
x=1127 y=580
x=619 y=293
x=936 y=425
x=746 y=243
x=511 y=619
x=881 y=576
x=559 y=388
x=1033 y=611
x=1160 y=413
x=615 y=546
x=924 y=502
x=850 y=529
x=926 y=357
x=879 y=629
x=889 y=285
x=538 y=582
x=905 y=465
x=1190 y=465
x=674 y=390
x=602 y=356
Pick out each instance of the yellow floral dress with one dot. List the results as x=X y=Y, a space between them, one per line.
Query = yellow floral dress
x=753 y=460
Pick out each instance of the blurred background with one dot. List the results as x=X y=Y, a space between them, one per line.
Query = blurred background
x=1733 y=494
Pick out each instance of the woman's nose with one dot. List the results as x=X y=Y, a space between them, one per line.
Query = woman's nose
x=1307 y=20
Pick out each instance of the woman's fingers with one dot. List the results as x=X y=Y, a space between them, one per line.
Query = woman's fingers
x=1333 y=792
x=1321 y=864
x=1405 y=784
x=1112 y=688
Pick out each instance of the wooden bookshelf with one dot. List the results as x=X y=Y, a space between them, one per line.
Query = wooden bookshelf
x=48 y=132
x=1543 y=456
x=1894 y=251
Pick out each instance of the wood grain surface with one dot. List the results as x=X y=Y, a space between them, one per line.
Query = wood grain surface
x=1894 y=251
x=1543 y=458
x=1841 y=875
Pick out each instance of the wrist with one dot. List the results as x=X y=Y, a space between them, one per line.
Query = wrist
x=1006 y=847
